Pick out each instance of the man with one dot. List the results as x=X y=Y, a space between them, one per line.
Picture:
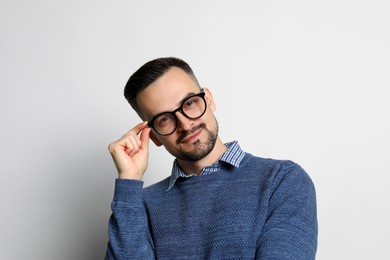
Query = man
x=219 y=202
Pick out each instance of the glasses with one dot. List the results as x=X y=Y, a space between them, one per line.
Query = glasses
x=193 y=107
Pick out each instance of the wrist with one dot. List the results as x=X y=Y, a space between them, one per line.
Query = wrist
x=129 y=176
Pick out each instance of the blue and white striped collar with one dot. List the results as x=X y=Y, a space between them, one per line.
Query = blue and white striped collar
x=232 y=156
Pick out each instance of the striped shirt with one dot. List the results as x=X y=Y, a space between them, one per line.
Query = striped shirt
x=232 y=156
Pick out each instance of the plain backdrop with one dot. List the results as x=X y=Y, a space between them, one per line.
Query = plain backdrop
x=301 y=80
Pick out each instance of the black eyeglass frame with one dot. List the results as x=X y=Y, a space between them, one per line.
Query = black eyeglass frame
x=180 y=109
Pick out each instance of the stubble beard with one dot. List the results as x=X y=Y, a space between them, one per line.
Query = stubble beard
x=200 y=149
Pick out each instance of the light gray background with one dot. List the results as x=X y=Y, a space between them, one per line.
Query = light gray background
x=300 y=80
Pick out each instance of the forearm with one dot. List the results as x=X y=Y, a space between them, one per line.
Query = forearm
x=128 y=225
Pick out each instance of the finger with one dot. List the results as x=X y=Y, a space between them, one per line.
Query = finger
x=130 y=142
x=138 y=128
x=133 y=144
x=133 y=133
x=144 y=138
x=134 y=138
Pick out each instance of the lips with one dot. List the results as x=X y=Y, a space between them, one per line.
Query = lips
x=191 y=137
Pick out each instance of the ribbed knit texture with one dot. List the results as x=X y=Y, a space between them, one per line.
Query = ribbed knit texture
x=264 y=209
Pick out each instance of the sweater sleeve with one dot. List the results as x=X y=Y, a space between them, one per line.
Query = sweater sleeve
x=129 y=237
x=290 y=230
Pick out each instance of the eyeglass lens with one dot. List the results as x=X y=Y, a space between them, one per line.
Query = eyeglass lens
x=192 y=108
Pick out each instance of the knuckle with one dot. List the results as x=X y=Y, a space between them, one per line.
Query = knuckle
x=112 y=147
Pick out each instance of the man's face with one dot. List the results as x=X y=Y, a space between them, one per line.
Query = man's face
x=193 y=138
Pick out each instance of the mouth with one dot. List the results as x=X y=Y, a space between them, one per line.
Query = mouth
x=191 y=136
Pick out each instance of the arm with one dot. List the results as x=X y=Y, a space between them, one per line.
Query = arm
x=128 y=226
x=290 y=231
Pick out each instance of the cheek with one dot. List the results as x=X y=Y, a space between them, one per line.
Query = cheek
x=209 y=117
x=169 y=141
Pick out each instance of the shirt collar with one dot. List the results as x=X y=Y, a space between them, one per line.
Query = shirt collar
x=232 y=156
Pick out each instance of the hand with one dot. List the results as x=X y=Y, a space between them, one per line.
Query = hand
x=130 y=153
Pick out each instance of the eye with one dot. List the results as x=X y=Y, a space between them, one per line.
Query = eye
x=164 y=120
x=190 y=103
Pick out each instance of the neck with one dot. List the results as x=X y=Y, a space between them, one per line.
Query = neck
x=196 y=167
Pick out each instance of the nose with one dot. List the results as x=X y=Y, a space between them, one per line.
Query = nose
x=183 y=123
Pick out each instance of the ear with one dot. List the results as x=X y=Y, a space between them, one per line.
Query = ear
x=210 y=100
x=154 y=139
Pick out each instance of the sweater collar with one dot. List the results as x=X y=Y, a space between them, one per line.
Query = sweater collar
x=232 y=156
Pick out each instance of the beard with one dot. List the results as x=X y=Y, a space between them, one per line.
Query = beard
x=200 y=148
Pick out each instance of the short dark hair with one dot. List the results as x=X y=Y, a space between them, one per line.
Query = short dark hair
x=150 y=72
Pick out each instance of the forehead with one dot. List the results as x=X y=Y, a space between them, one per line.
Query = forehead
x=166 y=93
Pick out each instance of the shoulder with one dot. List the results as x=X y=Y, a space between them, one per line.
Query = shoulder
x=251 y=160
x=260 y=164
x=277 y=171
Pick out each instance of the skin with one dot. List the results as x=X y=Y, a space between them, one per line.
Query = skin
x=190 y=143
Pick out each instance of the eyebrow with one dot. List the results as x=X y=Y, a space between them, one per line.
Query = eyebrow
x=181 y=102
x=187 y=96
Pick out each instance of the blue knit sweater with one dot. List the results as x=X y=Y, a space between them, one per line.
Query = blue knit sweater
x=263 y=209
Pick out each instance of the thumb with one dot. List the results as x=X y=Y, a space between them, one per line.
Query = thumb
x=145 y=138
